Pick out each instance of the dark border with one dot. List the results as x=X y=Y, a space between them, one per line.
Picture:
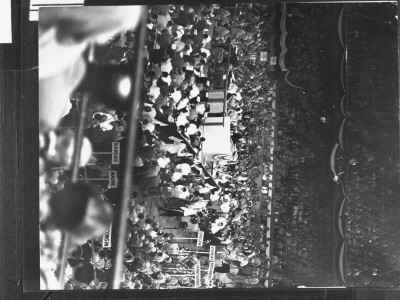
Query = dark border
x=19 y=248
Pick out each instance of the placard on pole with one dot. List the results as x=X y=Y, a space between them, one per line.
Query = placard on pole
x=115 y=153
x=107 y=237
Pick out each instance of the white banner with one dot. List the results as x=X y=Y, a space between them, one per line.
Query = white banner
x=200 y=238
x=115 y=153
x=112 y=179
x=107 y=237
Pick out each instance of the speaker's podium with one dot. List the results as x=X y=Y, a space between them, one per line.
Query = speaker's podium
x=217 y=103
x=218 y=146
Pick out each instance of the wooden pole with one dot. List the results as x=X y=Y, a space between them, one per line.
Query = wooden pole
x=121 y=220
x=94 y=179
x=75 y=171
x=101 y=152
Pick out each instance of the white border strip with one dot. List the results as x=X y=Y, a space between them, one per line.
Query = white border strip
x=5 y=22
x=35 y=6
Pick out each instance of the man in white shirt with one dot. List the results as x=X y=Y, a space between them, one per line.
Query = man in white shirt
x=204 y=189
x=184 y=167
x=163 y=161
x=181 y=120
x=176 y=212
x=166 y=66
x=187 y=50
x=154 y=93
x=104 y=120
x=191 y=129
x=225 y=207
x=215 y=196
x=146 y=125
x=219 y=224
x=177 y=175
x=198 y=205
x=200 y=108
x=182 y=103
x=194 y=92
x=180 y=191
x=149 y=113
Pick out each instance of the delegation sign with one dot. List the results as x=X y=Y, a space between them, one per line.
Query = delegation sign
x=200 y=238
x=112 y=179
x=115 y=153
x=107 y=237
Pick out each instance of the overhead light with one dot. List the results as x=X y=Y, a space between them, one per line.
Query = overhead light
x=124 y=87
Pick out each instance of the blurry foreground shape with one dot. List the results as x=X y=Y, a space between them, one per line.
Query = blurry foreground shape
x=77 y=24
x=61 y=149
x=64 y=34
x=55 y=90
x=78 y=210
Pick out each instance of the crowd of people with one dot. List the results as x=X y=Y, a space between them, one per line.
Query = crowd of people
x=368 y=164
x=187 y=50
x=190 y=51
x=371 y=160
x=302 y=240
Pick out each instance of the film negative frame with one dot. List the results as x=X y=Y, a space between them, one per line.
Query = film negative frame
x=20 y=261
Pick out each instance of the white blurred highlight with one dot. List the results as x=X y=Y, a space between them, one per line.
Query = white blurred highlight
x=64 y=34
x=124 y=87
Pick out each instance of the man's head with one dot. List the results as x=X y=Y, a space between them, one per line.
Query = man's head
x=147 y=109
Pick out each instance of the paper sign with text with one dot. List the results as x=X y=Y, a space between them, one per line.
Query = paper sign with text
x=210 y=273
x=113 y=179
x=115 y=153
x=212 y=253
x=200 y=238
x=107 y=237
x=197 y=273
x=263 y=56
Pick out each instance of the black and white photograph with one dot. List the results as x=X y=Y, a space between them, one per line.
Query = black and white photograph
x=219 y=146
